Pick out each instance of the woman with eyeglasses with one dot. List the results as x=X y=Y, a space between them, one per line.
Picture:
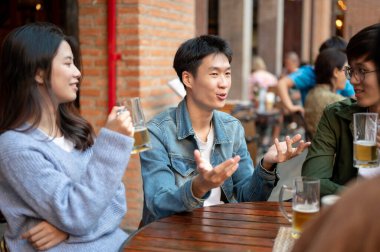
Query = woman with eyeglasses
x=348 y=226
x=330 y=156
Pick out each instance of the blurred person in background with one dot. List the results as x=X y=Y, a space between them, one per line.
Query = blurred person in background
x=262 y=85
x=260 y=78
x=330 y=77
x=291 y=63
x=304 y=79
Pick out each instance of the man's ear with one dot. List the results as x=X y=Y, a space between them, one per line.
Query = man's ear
x=187 y=79
x=39 y=77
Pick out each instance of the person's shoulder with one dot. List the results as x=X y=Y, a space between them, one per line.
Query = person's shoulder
x=305 y=75
x=305 y=69
x=325 y=93
x=314 y=91
x=343 y=104
x=12 y=141
x=344 y=108
x=336 y=97
x=11 y=135
x=162 y=117
x=225 y=117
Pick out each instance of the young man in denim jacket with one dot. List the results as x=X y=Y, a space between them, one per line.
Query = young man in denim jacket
x=199 y=155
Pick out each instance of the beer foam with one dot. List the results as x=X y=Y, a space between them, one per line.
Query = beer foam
x=307 y=208
x=365 y=142
x=140 y=128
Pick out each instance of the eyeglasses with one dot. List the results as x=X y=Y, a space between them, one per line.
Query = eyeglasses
x=358 y=74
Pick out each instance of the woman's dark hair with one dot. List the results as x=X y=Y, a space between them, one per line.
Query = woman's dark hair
x=363 y=44
x=326 y=62
x=26 y=50
x=334 y=42
x=190 y=54
x=377 y=54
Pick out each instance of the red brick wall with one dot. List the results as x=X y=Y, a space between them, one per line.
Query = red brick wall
x=148 y=34
x=93 y=42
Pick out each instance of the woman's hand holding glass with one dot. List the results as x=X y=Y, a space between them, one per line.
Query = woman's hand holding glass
x=120 y=120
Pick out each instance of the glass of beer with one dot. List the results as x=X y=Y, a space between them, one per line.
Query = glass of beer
x=365 y=149
x=270 y=99
x=142 y=141
x=305 y=202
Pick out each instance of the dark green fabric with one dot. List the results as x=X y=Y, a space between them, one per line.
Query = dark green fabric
x=330 y=156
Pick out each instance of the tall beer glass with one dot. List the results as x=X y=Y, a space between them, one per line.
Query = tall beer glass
x=365 y=149
x=142 y=141
x=305 y=202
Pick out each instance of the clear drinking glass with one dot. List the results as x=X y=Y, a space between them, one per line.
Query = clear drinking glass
x=142 y=140
x=365 y=132
x=305 y=202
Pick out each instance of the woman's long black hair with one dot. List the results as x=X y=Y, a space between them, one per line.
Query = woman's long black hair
x=26 y=50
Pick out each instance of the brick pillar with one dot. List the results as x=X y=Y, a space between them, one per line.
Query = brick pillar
x=270 y=33
x=306 y=28
x=322 y=13
x=235 y=25
x=148 y=35
x=93 y=43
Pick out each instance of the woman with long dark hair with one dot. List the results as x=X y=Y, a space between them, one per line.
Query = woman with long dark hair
x=52 y=170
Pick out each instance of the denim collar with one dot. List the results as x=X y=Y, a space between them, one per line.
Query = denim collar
x=185 y=128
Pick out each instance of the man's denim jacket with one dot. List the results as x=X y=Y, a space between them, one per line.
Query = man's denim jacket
x=168 y=168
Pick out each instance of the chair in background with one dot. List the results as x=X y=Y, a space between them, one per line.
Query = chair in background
x=246 y=115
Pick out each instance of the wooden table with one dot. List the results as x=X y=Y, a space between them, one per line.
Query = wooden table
x=227 y=227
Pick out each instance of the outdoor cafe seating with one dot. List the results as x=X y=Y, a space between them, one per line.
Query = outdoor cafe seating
x=260 y=127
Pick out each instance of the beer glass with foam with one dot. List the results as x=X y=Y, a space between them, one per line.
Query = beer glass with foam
x=142 y=141
x=305 y=202
x=365 y=149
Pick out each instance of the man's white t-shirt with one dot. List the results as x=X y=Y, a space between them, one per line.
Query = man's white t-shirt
x=205 y=149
